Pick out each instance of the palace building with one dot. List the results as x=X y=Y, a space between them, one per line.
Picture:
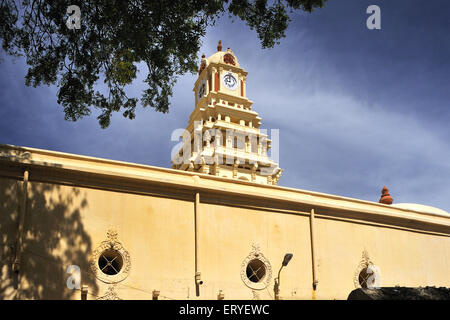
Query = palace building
x=217 y=225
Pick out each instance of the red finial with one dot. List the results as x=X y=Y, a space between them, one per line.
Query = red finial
x=219 y=46
x=385 y=196
x=203 y=56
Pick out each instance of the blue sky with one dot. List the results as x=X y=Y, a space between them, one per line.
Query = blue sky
x=356 y=108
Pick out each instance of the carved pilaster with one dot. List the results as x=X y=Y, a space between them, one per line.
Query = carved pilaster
x=254 y=168
x=229 y=141
x=207 y=138
x=216 y=166
x=235 y=168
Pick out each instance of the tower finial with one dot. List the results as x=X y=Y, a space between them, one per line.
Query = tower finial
x=385 y=196
x=219 y=46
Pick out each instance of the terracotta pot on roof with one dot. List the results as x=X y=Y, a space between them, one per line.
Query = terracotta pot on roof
x=385 y=196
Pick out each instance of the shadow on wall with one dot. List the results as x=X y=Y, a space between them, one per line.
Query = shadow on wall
x=54 y=238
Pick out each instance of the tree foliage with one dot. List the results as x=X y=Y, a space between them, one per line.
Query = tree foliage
x=115 y=36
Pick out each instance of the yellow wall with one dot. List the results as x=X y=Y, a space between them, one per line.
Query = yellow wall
x=8 y=233
x=153 y=212
x=226 y=237
x=405 y=258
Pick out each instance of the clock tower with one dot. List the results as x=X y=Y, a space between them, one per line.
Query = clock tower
x=223 y=135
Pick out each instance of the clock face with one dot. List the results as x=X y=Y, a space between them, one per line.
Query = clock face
x=230 y=81
x=201 y=91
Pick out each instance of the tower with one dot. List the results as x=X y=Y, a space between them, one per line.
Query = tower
x=223 y=135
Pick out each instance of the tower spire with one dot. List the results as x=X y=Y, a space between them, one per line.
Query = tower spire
x=219 y=46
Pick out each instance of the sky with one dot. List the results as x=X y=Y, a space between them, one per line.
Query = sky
x=356 y=109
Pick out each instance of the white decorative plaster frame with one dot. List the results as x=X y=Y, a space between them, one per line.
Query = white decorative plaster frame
x=110 y=294
x=372 y=268
x=114 y=244
x=256 y=254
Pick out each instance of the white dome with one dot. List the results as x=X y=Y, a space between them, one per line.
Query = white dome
x=422 y=208
x=218 y=57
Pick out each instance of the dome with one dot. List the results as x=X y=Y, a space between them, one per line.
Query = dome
x=226 y=57
x=422 y=208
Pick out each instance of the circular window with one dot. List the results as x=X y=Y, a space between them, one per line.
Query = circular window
x=369 y=277
x=256 y=270
x=110 y=262
x=363 y=277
